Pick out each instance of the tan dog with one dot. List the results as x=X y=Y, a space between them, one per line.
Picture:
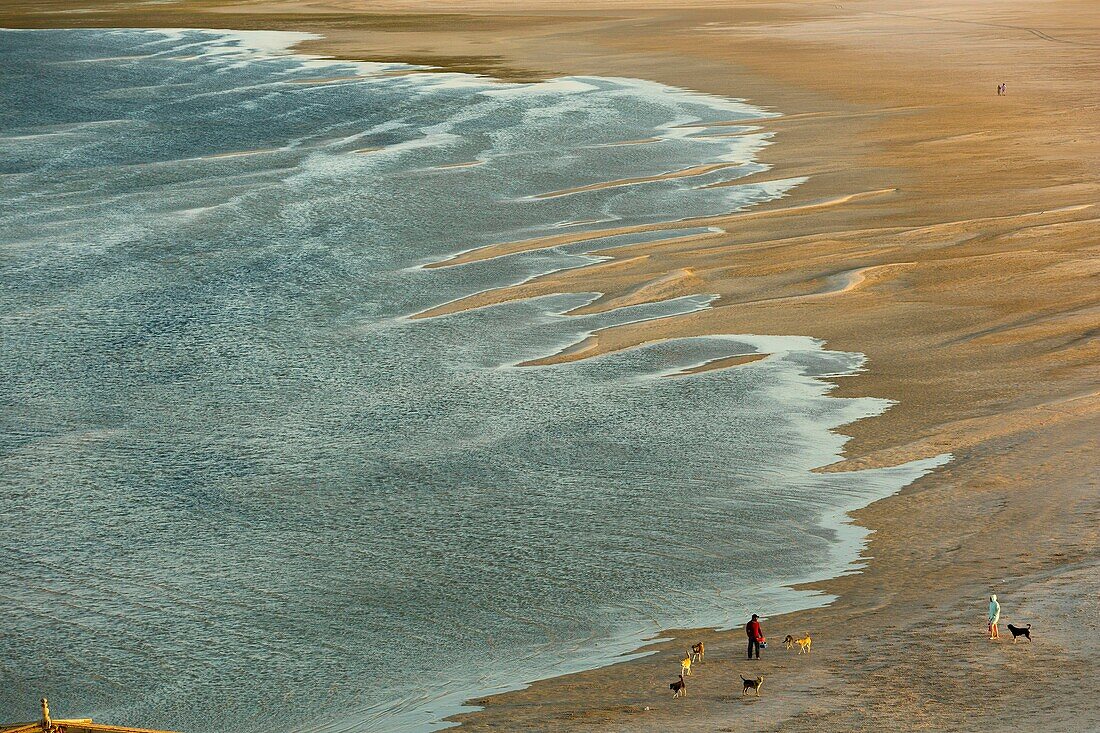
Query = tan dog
x=803 y=643
x=685 y=666
x=755 y=684
x=697 y=652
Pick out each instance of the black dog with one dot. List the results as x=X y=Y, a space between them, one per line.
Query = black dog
x=1018 y=632
x=679 y=687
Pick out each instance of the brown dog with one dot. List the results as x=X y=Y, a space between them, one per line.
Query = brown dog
x=803 y=643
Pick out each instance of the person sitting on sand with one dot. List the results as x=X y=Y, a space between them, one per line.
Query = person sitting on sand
x=755 y=634
x=994 y=615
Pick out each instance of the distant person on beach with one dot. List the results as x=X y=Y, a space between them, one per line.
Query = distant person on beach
x=755 y=634
x=1002 y=89
x=994 y=616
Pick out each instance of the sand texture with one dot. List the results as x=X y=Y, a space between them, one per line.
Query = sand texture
x=950 y=234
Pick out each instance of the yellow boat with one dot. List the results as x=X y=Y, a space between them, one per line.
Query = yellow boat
x=49 y=724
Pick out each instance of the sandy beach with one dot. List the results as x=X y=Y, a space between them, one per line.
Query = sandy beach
x=948 y=233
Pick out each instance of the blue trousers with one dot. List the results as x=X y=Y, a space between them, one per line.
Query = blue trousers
x=754 y=644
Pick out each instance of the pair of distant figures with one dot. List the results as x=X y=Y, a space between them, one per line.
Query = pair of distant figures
x=1002 y=89
x=995 y=616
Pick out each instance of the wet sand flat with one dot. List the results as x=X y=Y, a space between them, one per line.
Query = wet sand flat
x=962 y=230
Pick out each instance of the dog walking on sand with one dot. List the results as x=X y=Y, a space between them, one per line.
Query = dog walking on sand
x=679 y=688
x=804 y=643
x=747 y=684
x=1018 y=631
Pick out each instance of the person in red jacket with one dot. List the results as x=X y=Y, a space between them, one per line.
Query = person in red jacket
x=755 y=634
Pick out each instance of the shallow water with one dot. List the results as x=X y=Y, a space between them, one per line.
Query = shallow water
x=241 y=490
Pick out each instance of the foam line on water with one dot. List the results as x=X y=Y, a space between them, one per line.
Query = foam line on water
x=242 y=385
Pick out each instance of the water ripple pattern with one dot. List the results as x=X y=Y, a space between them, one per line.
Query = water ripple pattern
x=240 y=490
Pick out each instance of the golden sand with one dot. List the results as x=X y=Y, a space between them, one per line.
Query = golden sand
x=723 y=363
x=949 y=233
